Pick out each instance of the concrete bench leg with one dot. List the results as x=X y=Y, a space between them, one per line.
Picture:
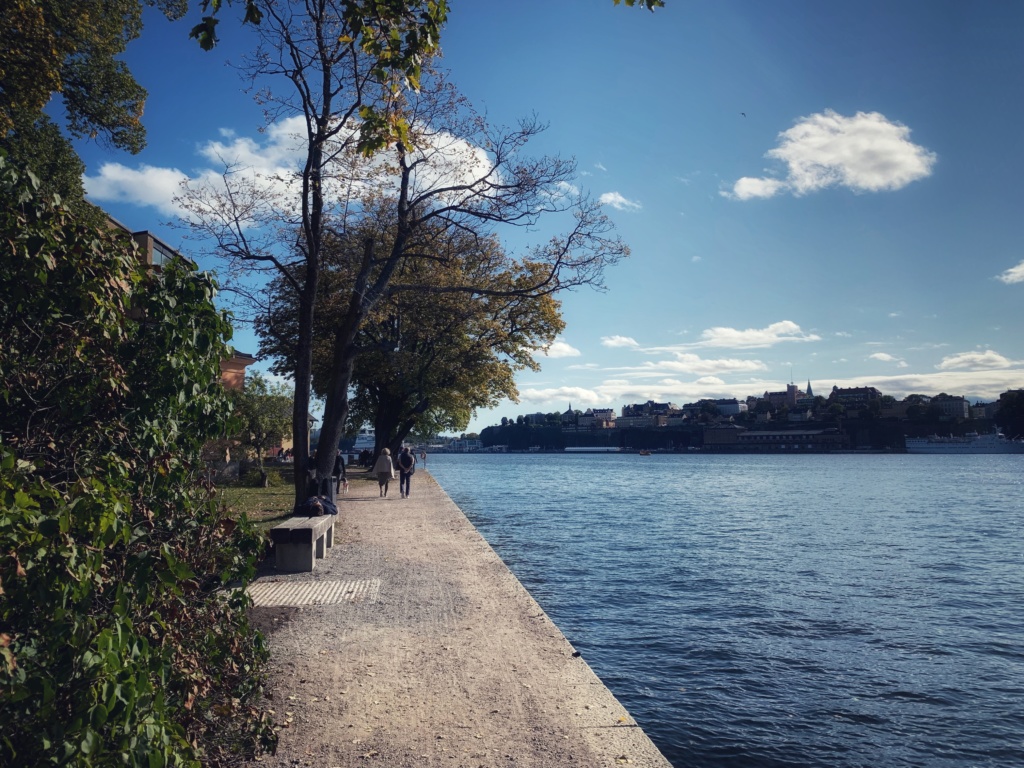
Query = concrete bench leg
x=296 y=557
x=321 y=545
x=330 y=536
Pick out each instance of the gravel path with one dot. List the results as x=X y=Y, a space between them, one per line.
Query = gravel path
x=430 y=653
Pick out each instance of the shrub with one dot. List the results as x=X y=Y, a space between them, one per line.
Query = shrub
x=121 y=642
x=254 y=479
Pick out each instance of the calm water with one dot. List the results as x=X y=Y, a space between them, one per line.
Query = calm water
x=779 y=611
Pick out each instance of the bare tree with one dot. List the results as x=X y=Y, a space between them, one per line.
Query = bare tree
x=439 y=166
x=344 y=68
x=459 y=174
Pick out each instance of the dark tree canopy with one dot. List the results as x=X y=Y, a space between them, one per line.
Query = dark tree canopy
x=425 y=358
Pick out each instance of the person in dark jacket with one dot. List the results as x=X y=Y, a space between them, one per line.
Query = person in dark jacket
x=339 y=472
x=406 y=466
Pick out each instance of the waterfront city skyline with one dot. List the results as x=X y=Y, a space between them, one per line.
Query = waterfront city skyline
x=810 y=192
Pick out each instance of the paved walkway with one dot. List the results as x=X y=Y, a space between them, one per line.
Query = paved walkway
x=426 y=651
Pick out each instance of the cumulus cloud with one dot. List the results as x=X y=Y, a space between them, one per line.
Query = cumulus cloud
x=755 y=338
x=270 y=166
x=687 y=362
x=885 y=357
x=560 y=348
x=864 y=153
x=618 y=202
x=1013 y=275
x=146 y=185
x=977 y=361
x=618 y=341
x=553 y=395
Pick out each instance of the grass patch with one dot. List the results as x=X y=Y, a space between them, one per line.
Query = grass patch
x=264 y=506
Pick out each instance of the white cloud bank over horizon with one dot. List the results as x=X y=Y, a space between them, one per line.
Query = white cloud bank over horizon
x=864 y=153
x=614 y=393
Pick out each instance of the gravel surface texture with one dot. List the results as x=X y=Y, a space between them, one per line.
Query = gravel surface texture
x=443 y=660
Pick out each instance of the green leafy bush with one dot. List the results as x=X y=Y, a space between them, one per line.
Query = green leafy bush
x=124 y=638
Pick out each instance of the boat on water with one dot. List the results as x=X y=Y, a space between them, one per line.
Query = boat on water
x=365 y=440
x=972 y=442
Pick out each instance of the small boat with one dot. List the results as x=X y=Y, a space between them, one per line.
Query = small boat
x=645 y=452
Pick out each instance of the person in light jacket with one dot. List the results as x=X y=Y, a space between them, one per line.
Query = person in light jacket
x=385 y=471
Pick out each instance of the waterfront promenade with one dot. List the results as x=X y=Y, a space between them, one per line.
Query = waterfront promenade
x=425 y=650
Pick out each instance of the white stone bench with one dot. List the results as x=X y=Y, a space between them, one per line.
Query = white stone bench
x=299 y=541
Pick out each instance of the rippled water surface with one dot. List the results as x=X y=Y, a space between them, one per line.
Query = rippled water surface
x=779 y=611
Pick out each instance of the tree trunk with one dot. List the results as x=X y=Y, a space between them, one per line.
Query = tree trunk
x=303 y=376
x=336 y=402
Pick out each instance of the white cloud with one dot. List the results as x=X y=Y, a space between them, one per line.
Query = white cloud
x=895 y=314
x=618 y=341
x=754 y=338
x=975 y=361
x=695 y=259
x=885 y=357
x=270 y=167
x=687 y=362
x=748 y=188
x=560 y=348
x=282 y=150
x=145 y=185
x=864 y=153
x=600 y=167
x=844 y=334
x=1013 y=275
x=554 y=395
x=618 y=202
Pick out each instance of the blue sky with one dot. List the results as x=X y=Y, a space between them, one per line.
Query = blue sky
x=811 y=191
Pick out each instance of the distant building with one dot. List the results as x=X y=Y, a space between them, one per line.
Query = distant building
x=787 y=398
x=730 y=407
x=952 y=407
x=650 y=408
x=854 y=397
x=596 y=418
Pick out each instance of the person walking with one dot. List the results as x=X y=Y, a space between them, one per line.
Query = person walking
x=406 y=467
x=339 y=473
x=385 y=472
